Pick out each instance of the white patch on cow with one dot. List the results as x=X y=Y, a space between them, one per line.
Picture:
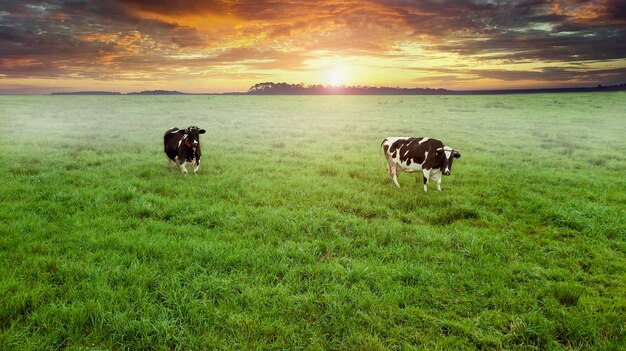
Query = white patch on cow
x=407 y=151
x=448 y=151
x=181 y=140
x=182 y=167
x=413 y=167
x=195 y=170
x=423 y=140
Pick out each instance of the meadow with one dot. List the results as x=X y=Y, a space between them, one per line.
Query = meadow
x=292 y=237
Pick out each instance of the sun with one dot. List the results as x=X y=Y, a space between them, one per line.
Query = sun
x=336 y=76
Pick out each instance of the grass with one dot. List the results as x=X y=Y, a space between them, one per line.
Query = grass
x=292 y=236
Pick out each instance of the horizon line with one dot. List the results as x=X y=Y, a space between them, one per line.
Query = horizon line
x=598 y=87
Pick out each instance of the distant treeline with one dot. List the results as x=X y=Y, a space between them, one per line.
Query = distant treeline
x=88 y=93
x=145 y=92
x=271 y=88
x=156 y=92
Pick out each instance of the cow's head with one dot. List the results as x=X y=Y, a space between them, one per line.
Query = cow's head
x=448 y=154
x=193 y=136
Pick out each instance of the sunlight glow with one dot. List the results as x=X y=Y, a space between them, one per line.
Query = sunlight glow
x=336 y=76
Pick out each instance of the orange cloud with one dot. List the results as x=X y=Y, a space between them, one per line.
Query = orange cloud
x=590 y=10
x=18 y=62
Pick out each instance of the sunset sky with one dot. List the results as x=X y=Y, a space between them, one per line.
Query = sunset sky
x=229 y=45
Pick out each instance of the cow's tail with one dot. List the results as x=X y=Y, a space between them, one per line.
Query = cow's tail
x=382 y=152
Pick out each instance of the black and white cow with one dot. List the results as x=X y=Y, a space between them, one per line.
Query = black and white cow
x=428 y=155
x=183 y=145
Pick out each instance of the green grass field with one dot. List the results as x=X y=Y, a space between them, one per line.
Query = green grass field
x=293 y=237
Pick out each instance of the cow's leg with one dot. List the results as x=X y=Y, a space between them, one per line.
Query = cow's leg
x=426 y=173
x=195 y=170
x=390 y=164
x=181 y=165
x=170 y=163
x=394 y=175
x=436 y=175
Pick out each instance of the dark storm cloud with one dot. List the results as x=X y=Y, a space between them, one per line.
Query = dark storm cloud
x=546 y=74
x=582 y=45
x=443 y=17
x=616 y=10
x=520 y=30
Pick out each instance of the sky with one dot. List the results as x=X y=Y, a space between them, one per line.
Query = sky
x=229 y=45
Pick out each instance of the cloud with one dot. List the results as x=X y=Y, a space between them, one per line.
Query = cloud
x=159 y=39
x=176 y=7
x=579 y=45
x=524 y=30
x=583 y=75
x=64 y=37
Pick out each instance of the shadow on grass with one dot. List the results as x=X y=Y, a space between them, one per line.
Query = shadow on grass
x=451 y=215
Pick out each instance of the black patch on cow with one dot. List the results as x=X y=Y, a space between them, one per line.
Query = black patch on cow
x=425 y=180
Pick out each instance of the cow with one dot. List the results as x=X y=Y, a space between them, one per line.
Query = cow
x=183 y=145
x=410 y=154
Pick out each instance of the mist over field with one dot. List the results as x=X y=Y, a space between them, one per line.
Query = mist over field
x=292 y=236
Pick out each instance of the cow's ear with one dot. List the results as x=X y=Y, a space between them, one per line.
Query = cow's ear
x=201 y=131
x=183 y=131
x=456 y=154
